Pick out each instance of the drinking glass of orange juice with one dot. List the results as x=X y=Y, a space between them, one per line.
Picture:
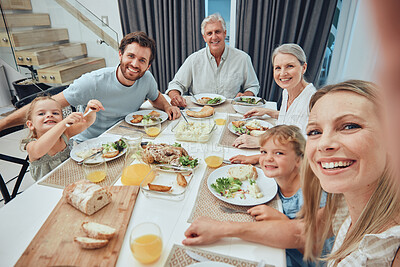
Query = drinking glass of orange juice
x=214 y=155
x=153 y=130
x=95 y=171
x=134 y=173
x=146 y=242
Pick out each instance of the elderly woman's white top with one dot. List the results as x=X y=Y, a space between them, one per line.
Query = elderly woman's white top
x=298 y=112
x=373 y=250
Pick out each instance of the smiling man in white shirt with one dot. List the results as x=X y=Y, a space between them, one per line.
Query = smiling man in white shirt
x=217 y=68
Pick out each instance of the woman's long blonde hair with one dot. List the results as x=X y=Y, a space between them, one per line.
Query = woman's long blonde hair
x=381 y=211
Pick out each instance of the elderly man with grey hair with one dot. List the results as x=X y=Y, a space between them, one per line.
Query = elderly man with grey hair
x=217 y=68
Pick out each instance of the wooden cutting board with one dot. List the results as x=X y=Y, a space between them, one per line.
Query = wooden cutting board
x=54 y=244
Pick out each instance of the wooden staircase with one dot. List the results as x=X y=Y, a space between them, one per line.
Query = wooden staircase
x=47 y=49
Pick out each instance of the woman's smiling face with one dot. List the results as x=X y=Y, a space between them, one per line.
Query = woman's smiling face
x=288 y=72
x=344 y=145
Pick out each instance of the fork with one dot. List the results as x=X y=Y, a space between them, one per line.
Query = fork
x=193 y=96
x=230 y=210
x=84 y=115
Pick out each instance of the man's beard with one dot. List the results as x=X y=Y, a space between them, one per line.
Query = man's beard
x=124 y=71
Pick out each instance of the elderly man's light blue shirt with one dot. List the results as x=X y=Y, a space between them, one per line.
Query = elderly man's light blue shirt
x=200 y=74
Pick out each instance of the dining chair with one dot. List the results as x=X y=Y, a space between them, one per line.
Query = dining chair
x=21 y=161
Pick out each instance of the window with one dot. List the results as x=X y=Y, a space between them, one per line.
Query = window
x=223 y=7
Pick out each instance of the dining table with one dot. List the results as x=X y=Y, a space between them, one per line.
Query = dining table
x=22 y=218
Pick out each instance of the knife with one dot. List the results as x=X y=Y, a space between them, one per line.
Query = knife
x=196 y=256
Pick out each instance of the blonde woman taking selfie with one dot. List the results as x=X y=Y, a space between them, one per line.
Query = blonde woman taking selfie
x=345 y=157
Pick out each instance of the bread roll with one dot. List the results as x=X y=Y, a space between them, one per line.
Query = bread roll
x=90 y=243
x=98 y=231
x=87 y=196
x=206 y=111
x=243 y=172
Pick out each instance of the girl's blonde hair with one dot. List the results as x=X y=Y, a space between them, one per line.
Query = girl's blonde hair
x=28 y=116
x=286 y=134
x=380 y=212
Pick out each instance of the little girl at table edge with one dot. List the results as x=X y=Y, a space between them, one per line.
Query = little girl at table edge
x=48 y=141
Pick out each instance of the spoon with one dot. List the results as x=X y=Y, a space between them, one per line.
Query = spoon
x=183 y=115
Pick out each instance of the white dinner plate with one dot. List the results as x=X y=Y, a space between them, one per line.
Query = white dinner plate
x=198 y=96
x=268 y=187
x=262 y=123
x=197 y=109
x=259 y=99
x=210 y=264
x=95 y=143
x=129 y=117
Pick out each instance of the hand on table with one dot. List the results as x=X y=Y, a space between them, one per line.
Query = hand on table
x=173 y=112
x=242 y=159
x=178 y=100
x=203 y=231
x=256 y=112
x=247 y=141
x=264 y=213
x=246 y=93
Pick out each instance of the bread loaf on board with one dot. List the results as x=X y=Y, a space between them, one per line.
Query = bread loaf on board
x=87 y=196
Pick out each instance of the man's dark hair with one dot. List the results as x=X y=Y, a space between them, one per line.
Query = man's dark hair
x=142 y=39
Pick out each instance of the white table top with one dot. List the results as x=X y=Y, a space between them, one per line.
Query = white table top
x=22 y=217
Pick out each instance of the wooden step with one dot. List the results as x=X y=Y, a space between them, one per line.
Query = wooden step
x=16 y=4
x=26 y=20
x=33 y=37
x=50 y=54
x=70 y=71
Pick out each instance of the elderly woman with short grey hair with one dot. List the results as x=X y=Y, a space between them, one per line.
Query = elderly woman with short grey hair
x=289 y=63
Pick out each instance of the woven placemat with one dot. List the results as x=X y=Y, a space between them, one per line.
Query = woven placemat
x=225 y=107
x=122 y=128
x=71 y=172
x=227 y=137
x=178 y=258
x=207 y=204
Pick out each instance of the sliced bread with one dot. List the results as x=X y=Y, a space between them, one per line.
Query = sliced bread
x=86 y=196
x=243 y=172
x=90 y=243
x=98 y=231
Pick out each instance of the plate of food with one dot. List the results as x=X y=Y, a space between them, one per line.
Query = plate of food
x=108 y=148
x=200 y=113
x=242 y=185
x=146 y=117
x=248 y=101
x=252 y=127
x=169 y=158
x=167 y=184
x=208 y=99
